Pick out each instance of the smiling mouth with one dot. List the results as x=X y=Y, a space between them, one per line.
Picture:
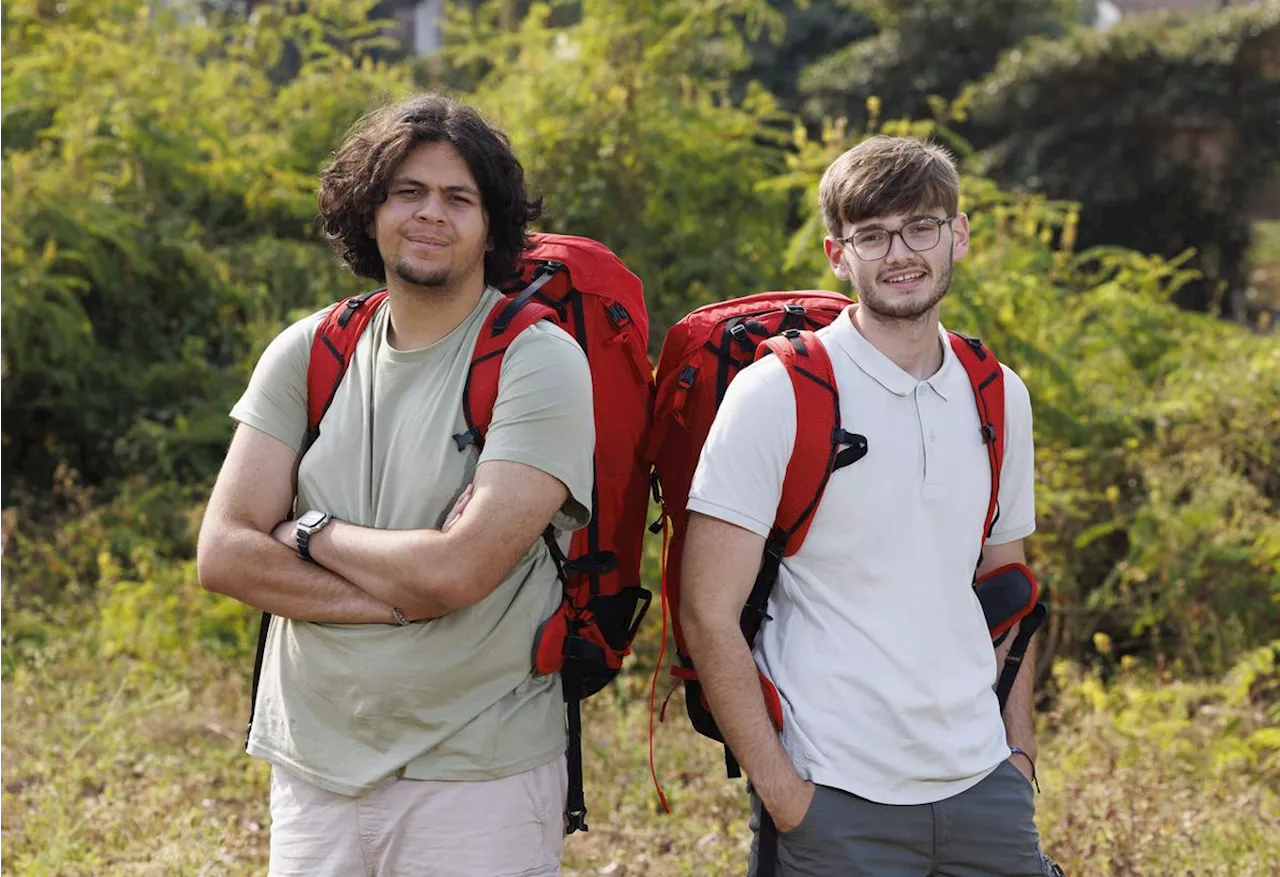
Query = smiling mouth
x=428 y=242
x=904 y=278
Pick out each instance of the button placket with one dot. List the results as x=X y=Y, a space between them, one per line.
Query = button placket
x=926 y=405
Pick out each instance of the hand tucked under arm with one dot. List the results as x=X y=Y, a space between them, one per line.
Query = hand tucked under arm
x=426 y=573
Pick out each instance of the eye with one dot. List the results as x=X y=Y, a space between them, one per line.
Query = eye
x=870 y=238
x=459 y=199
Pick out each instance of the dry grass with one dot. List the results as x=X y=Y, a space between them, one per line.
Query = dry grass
x=122 y=768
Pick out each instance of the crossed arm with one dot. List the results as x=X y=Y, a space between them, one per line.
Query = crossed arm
x=246 y=548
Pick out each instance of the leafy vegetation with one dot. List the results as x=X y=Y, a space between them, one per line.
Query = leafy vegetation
x=1163 y=128
x=923 y=52
x=159 y=172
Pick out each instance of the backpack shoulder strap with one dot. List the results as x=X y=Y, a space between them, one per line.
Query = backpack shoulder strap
x=818 y=434
x=335 y=340
x=506 y=320
x=987 y=379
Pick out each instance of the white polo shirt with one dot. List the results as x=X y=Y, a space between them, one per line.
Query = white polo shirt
x=876 y=641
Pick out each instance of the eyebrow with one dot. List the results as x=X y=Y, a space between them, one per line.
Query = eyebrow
x=875 y=226
x=456 y=187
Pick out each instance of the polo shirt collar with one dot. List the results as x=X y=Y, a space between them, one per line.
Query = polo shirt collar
x=945 y=381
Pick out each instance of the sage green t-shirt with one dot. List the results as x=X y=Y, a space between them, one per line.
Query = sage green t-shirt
x=345 y=705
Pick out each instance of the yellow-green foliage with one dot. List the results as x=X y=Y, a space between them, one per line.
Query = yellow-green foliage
x=158 y=175
x=192 y=152
x=116 y=764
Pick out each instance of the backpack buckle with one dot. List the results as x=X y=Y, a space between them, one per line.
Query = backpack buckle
x=976 y=344
x=618 y=316
x=988 y=433
x=793 y=309
x=687 y=375
x=549 y=267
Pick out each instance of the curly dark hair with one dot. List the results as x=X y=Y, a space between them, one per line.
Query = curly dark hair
x=355 y=182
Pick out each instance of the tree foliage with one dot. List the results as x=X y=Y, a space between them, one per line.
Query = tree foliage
x=1162 y=127
x=159 y=174
x=158 y=203
x=923 y=52
x=625 y=123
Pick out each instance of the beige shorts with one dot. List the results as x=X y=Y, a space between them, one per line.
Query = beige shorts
x=512 y=827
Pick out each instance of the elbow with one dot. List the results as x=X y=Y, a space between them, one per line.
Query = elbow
x=213 y=556
x=693 y=628
x=209 y=570
x=461 y=592
x=448 y=587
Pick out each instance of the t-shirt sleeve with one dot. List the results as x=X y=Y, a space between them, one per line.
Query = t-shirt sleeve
x=744 y=460
x=544 y=417
x=275 y=401
x=1017 y=477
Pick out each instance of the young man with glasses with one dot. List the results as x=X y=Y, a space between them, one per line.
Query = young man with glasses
x=894 y=757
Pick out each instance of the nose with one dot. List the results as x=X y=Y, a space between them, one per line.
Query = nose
x=898 y=249
x=431 y=208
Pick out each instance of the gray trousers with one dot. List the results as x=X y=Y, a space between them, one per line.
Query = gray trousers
x=986 y=831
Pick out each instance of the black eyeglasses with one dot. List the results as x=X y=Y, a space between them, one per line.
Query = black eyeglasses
x=920 y=234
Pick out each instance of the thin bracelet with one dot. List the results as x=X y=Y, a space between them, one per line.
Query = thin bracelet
x=404 y=622
x=1018 y=750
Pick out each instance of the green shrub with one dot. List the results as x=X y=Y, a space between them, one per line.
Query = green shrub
x=1162 y=127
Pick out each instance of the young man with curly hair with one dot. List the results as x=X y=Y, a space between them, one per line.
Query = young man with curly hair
x=406 y=731
x=894 y=758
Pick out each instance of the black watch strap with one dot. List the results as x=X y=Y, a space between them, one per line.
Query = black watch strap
x=304 y=545
x=308 y=524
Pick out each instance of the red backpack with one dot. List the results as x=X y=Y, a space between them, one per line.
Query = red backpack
x=701 y=355
x=581 y=286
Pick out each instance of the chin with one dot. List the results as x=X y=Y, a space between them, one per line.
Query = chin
x=911 y=308
x=424 y=277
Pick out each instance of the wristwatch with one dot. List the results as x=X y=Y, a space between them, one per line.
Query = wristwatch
x=308 y=525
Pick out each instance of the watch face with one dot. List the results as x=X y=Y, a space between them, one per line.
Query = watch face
x=311 y=519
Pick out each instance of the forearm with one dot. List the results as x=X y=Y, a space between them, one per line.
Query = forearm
x=408 y=569
x=1019 y=722
x=731 y=683
x=254 y=568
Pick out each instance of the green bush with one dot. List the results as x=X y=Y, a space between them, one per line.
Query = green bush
x=923 y=53
x=1163 y=128
x=132 y=318
x=159 y=194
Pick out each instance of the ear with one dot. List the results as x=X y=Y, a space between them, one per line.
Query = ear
x=836 y=259
x=960 y=236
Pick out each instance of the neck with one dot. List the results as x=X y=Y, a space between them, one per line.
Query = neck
x=421 y=316
x=912 y=345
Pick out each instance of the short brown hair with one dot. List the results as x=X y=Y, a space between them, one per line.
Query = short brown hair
x=355 y=182
x=884 y=175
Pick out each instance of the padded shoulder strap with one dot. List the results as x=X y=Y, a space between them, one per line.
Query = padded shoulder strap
x=335 y=340
x=507 y=319
x=987 y=379
x=818 y=435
